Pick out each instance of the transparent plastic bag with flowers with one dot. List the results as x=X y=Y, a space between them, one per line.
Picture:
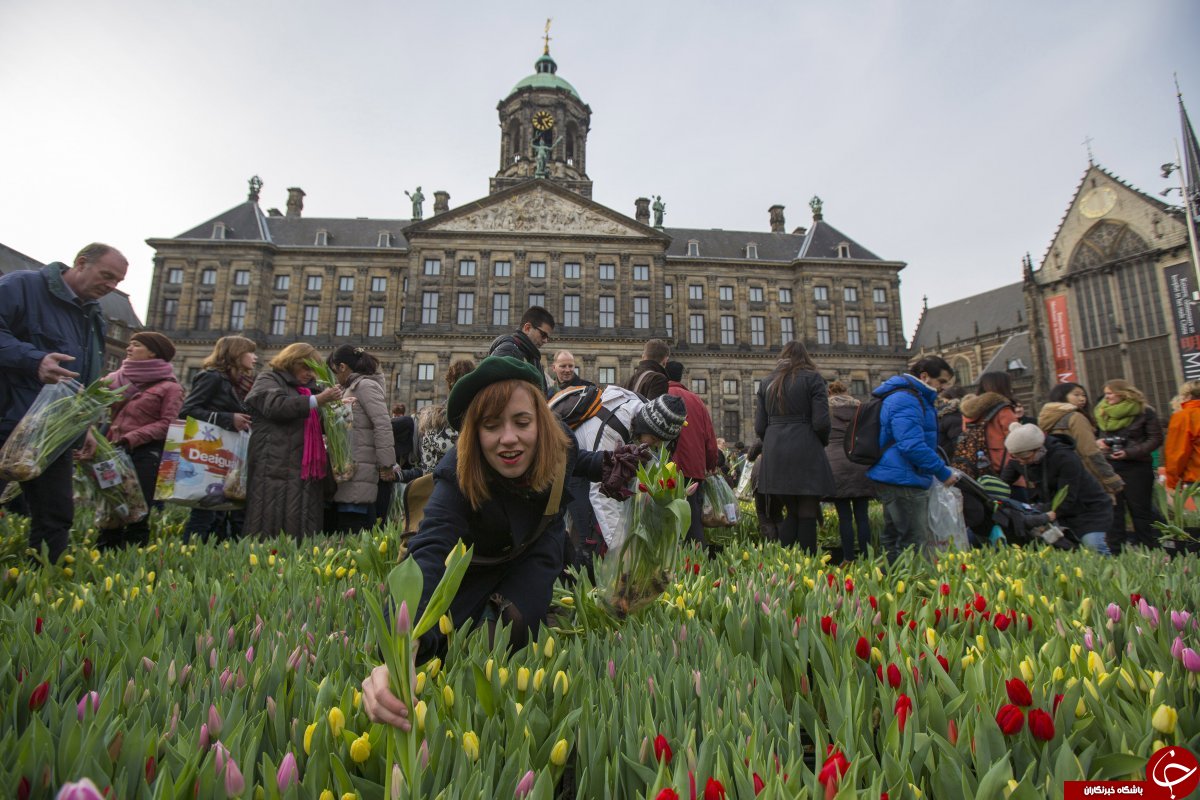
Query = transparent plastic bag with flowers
x=632 y=578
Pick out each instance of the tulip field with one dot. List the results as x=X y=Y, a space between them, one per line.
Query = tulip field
x=234 y=670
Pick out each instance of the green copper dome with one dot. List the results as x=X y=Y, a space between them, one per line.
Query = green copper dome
x=545 y=77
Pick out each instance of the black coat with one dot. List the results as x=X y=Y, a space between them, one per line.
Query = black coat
x=1087 y=508
x=794 y=436
x=849 y=479
x=404 y=430
x=1142 y=437
x=519 y=346
x=212 y=399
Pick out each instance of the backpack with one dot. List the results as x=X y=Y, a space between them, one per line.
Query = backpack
x=575 y=405
x=970 y=454
x=861 y=444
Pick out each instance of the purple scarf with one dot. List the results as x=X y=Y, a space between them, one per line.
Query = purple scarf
x=141 y=375
x=313 y=466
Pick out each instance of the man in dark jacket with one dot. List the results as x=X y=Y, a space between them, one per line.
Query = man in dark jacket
x=649 y=378
x=563 y=370
x=526 y=343
x=696 y=452
x=404 y=430
x=51 y=329
x=1048 y=463
x=908 y=432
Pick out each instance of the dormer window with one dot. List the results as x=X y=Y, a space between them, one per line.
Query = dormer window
x=752 y=250
x=322 y=238
x=843 y=250
x=693 y=247
x=218 y=230
x=385 y=239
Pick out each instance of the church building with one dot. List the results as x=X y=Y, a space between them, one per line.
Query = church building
x=424 y=291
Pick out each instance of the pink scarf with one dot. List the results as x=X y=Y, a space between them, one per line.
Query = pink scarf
x=313 y=466
x=141 y=375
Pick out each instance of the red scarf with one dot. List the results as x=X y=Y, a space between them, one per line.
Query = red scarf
x=242 y=382
x=141 y=375
x=313 y=466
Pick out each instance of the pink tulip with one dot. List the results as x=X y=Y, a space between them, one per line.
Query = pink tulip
x=526 y=785
x=220 y=755
x=293 y=661
x=403 y=623
x=1148 y=612
x=1180 y=619
x=184 y=673
x=349 y=593
x=1190 y=659
x=204 y=737
x=82 y=790
x=1088 y=640
x=250 y=654
x=288 y=773
x=90 y=699
x=1177 y=648
x=212 y=658
x=171 y=673
x=174 y=721
x=683 y=634
x=423 y=754
x=225 y=679
x=235 y=784
x=147 y=664
x=229 y=638
x=1114 y=612
x=258 y=628
x=612 y=669
x=214 y=721
x=271 y=707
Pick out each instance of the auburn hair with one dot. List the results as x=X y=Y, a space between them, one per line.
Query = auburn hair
x=227 y=352
x=550 y=451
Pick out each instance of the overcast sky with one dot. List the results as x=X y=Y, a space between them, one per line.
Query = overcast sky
x=948 y=135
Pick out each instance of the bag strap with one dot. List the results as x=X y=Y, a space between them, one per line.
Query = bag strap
x=609 y=419
x=640 y=382
x=553 y=503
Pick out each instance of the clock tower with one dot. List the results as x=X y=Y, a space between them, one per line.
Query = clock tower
x=543 y=131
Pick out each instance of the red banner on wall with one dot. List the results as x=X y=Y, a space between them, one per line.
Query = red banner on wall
x=1060 y=339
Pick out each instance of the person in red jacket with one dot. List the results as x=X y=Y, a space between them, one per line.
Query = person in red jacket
x=1181 y=457
x=152 y=400
x=696 y=452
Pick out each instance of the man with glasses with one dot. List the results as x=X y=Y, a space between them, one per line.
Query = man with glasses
x=537 y=328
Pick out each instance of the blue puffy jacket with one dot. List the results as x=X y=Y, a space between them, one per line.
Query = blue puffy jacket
x=908 y=429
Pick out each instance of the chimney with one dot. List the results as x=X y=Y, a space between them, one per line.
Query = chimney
x=295 y=203
x=777 y=223
x=441 y=201
x=642 y=212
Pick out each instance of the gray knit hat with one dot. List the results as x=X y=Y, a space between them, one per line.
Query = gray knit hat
x=1024 y=438
x=663 y=417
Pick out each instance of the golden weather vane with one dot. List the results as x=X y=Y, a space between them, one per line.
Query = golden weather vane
x=546 y=39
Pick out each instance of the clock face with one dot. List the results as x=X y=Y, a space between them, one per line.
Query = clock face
x=1098 y=202
x=543 y=120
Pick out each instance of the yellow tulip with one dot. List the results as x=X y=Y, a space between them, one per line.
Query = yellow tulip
x=899 y=587
x=568 y=600
x=70 y=573
x=1080 y=708
x=420 y=681
x=360 y=749
x=503 y=676
x=308 y=734
x=326 y=795
x=13 y=573
x=434 y=667
x=340 y=572
x=1075 y=651
x=382 y=548
x=1095 y=663
x=1164 y=719
x=1058 y=673
x=1026 y=667
x=337 y=721
x=133 y=593
x=357 y=698
x=150 y=577
x=931 y=637
x=470 y=745
x=108 y=583
x=445 y=625
x=488 y=667
x=253 y=560
x=538 y=678
x=523 y=679
x=558 y=754
x=548 y=650
x=561 y=676
x=448 y=696
x=420 y=710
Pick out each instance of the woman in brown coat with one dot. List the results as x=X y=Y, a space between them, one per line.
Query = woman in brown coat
x=287 y=467
x=853 y=490
x=374 y=447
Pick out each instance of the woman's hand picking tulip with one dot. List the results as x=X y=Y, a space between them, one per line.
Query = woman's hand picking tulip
x=379 y=702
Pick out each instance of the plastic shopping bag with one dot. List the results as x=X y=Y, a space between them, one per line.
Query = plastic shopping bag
x=197 y=458
x=235 y=478
x=58 y=417
x=116 y=493
x=720 y=508
x=744 y=490
x=947 y=527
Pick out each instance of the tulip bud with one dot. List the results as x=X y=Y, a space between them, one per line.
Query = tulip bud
x=1114 y=612
x=204 y=738
x=1180 y=619
x=525 y=785
x=214 y=721
x=288 y=773
x=235 y=784
x=1164 y=719
x=403 y=623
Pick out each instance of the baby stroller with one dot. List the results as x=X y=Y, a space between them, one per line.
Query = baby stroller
x=1012 y=520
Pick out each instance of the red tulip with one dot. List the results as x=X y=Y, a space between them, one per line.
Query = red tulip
x=980 y=603
x=952 y=732
x=643 y=487
x=1041 y=725
x=912 y=624
x=1134 y=599
x=893 y=676
x=944 y=662
x=945 y=589
x=713 y=790
x=900 y=617
x=151 y=769
x=849 y=585
x=874 y=603
x=863 y=648
x=1018 y=692
x=87 y=669
x=24 y=789
x=38 y=698
x=667 y=794
x=829 y=579
x=903 y=709
x=695 y=569
x=662 y=750
x=759 y=784
x=1010 y=719
x=671 y=483
x=37 y=625
x=1057 y=699
x=833 y=769
x=1001 y=622
x=828 y=626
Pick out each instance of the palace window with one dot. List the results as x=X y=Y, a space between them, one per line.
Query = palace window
x=283 y=283
x=537 y=269
x=756 y=294
x=853 y=334
x=700 y=385
x=758 y=331
x=785 y=296
x=729 y=386
x=203 y=314
x=466 y=308
x=725 y=294
x=696 y=329
x=429 y=308
x=571 y=310
x=879 y=295
x=607 y=375
x=500 y=308
x=608 y=272
x=170 y=313
x=312 y=317
x=466 y=268
x=375 y=321
x=881 y=332
x=241 y=277
x=695 y=291
x=537 y=299
x=425 y=372
x=608 y=311
x=752 y=250
x=641 y=312
x=237 y=315
x=208 y=277
x=322 y=239
x=668 y=291
x=433 y=266
x=727 y=329
x=858 y=387
x=823 y=336
x=385 y=239
x=313 y=283
x=346 y=283
x=821 y=294
x=502 y=269
x=693 y=248
x=669 y=324
x=850 y=294
x=175 y=275
x=378 y=284
x=786 y=330
x=344 y=315
x=571 y=271
x=641 y=272
x=278 y=319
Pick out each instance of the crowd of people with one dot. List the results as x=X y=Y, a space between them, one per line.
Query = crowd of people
x=1079 y=467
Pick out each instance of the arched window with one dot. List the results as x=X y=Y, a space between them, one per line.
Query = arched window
x=962 y=371
x=571 y=138
x=516 y=148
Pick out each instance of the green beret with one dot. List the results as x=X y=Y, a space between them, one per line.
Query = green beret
x=492 y=369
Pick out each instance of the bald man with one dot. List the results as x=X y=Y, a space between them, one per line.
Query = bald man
x=563 y=370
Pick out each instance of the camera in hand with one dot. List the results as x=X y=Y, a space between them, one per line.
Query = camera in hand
x=1116 y=443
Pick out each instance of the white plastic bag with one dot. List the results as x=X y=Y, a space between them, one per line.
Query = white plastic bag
x=197 y=457
x=947 y=527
